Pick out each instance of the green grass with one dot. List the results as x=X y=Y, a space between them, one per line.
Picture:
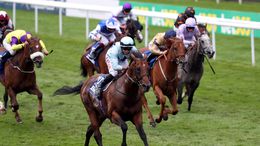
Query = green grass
x=225 y=5
x=225 y=110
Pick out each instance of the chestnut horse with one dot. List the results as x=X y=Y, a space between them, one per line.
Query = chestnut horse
x=122 y=100
x=19 y=76
x=190 y=78
x=164 y=76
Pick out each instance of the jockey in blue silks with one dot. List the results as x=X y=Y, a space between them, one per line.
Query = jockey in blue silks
x=117 y=60
x=103 y=34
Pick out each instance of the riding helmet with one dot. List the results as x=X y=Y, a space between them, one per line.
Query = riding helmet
x=126 y=42
x=127 y=7
x=190 y=12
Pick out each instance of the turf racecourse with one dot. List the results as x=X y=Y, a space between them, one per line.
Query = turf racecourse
x=225 y=110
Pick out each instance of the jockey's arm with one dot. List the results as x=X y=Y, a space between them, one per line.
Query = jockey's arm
x=93 y=33
x=15 y=45
x=112 y=55
x=45 y=51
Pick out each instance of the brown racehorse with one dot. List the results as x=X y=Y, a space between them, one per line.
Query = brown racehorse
x=122 y=100
x=87 y=68
x=164 y=76
x=19 y=76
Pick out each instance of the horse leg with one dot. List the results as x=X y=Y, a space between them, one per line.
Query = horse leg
x=14 y=104
x=173 y=102
x=137 y=121
x=5 y=101
x=193 y=87
x=180 y=90
x=162 y=101
x=94 y=127
x=89 y=133
x=38 y=93
x=118 y=121
x=149 y=114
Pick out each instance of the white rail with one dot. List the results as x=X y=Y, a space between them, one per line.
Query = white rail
x=65 y=5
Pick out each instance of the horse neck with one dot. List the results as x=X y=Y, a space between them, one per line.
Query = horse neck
x=125 y=85
x=195 y=59
x=168 y=67
x=22 y=61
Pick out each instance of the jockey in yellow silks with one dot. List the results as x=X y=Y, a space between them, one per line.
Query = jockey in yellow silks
x=14 y=41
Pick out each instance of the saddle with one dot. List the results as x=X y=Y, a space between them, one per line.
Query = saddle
x=151 y=59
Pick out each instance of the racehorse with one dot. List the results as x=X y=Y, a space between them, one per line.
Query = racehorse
x=19 y=76
x=122 y=100
x=193 y=68
x=88 y=68
x=164 y=76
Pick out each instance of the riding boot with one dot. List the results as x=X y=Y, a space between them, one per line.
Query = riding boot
x=3 y=59
x=105 y=81
x=93 y=53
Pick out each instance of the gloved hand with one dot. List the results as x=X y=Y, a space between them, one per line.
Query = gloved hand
x=98 y=38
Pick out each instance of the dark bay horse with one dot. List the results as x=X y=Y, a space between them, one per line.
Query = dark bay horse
x=193 y=68
x=19 y=76
x=164 y=76
x=122 y=101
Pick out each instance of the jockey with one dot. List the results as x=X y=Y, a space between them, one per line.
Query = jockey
x=103 y=34
x=124 y=14
x=14 y=41
x=180 y=20
x=190 y=12
x=157 y=45
x=188 y=32
x=117 y=60
x=5 y=22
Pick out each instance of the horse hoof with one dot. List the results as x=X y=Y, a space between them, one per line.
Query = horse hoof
x=165 y=117
x=158 y=120
x=179 y=101
x=19 y=121
x=39 y=119
x=153 y=124
x=175 y=112
x=2 y=111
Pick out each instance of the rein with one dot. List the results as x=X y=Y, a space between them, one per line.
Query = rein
x=160 y=65
x=132 y=80
x=21 y=70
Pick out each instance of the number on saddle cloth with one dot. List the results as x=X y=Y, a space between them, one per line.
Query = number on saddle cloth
x=150 y=58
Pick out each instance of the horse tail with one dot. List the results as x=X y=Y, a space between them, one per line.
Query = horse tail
x=68 y=90
x=83 y=68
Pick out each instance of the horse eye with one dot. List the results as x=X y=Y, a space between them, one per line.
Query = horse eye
x=202 y=42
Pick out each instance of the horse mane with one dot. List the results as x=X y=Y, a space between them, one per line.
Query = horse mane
x=138 y=54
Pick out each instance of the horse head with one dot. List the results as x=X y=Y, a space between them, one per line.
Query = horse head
x=205 y=45
x=131 y=29
x=33 y=51
x=176 y=51
x=138 y=71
